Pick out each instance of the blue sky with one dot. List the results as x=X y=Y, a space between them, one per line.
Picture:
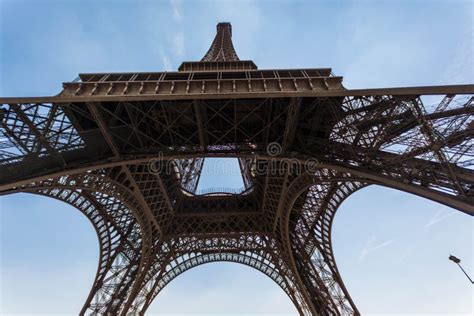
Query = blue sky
x=391 y=247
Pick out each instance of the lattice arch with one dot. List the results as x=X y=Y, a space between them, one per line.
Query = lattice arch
x=112 y=211
x=260 y=261
x=308 y=213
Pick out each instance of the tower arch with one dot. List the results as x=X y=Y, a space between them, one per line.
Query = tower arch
x=112 y=211
x=247 y=258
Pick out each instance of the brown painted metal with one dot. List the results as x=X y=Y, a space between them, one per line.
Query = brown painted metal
x=127 y=150
x=222 y=48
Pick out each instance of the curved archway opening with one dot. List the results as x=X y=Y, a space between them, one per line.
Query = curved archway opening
x=49 y=255
x=222 y=288
x=392 y=250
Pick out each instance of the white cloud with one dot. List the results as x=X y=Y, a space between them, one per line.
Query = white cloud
x=178 y=42
x=462 y=60
x=176 y=8
x=370 y=247
x=442 y=214
x=166 y=61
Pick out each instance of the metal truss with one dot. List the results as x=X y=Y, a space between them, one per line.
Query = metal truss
x=127 y=150
x=108 y=206
x=307 y=213
x=222 y=48
x=35 y=130
x=182 y=254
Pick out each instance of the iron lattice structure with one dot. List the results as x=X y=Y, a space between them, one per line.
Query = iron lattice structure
x=127 y=150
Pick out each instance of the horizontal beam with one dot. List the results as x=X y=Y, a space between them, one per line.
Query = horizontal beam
x=464 y=206
x=110 y=162
x=401 y=91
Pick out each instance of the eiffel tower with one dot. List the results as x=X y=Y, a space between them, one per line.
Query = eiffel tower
x=127 y=150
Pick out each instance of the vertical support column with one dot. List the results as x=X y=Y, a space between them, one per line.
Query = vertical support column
x=124 y=235
x=306 y=226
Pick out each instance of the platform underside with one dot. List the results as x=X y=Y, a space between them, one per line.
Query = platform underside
x=131 y=162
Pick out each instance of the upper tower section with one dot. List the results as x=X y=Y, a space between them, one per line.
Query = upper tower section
x=219 y=73
x=221 y=56
x=222 y=48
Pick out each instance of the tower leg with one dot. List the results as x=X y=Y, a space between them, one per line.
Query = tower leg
x=306 y=230
x=112 y=211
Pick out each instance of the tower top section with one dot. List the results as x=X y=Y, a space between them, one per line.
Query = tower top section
x=221 y=55
x=219 y=73
x=222 y=48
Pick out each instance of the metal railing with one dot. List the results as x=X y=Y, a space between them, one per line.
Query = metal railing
x=219 y=190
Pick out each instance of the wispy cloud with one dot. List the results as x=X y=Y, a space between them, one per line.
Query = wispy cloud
x=462 y=59
x=176 y=8
x=442 y=214
x=371 y=246
x=165 y=61
x=404 y=255
x=178 y=42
